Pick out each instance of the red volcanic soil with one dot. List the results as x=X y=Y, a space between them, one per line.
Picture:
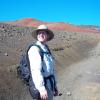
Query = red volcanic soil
x=68 y=27
x=25 y=22
x=30 y=22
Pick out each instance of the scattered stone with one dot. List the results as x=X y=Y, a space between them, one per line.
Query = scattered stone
x=6 y=54
x=10 y=35
x=60 y=94
x=20 y=50
x=69 y=93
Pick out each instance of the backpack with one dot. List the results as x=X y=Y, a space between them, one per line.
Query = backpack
x=23 y=69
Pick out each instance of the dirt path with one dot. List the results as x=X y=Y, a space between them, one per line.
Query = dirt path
x=81 y=81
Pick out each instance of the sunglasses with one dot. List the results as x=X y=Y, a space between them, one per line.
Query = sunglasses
x=42 y=32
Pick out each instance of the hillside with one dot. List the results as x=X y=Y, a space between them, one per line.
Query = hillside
x=69 y=49
x=30 y=22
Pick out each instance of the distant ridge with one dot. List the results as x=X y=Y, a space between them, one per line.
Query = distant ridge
x=30 y=22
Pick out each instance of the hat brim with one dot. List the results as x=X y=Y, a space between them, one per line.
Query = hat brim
x=50 y=34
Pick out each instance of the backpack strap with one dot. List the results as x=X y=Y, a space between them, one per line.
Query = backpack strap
x=40 y=50
x=48 y=49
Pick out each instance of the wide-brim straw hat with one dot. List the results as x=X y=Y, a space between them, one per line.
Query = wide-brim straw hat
x=50 y=34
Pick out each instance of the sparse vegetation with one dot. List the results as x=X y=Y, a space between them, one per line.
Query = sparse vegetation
x=58 y=49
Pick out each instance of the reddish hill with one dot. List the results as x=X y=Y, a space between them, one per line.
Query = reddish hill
x=26 y=22
x=30 y=22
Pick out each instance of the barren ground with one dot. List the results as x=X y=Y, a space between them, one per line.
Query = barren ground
x=77 y=58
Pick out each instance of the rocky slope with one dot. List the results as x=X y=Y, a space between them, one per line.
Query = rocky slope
x=68 y=48
x=30 y=22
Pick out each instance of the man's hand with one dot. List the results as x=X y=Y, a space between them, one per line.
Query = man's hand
x=44 y=95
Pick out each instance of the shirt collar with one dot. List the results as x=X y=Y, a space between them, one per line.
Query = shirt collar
x=39 y=43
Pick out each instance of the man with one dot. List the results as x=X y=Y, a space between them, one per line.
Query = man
x=43 y=71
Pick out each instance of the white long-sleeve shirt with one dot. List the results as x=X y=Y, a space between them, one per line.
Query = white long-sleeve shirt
x=36 y=65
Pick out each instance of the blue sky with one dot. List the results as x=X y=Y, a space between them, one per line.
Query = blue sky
x=78 y=12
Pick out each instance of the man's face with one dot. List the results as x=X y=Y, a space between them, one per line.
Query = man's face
x=42 y=36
